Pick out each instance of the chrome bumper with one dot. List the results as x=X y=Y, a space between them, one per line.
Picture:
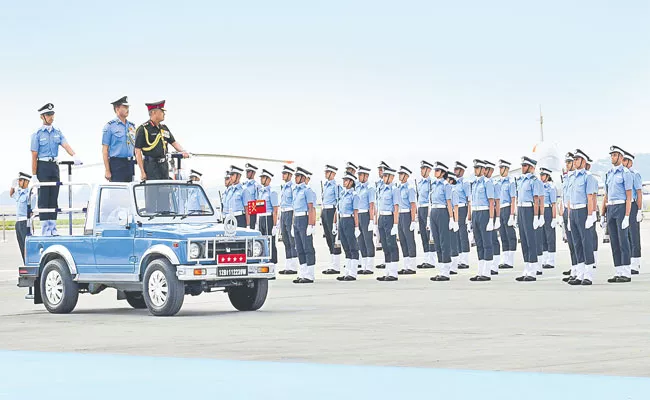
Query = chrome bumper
x=186 y=273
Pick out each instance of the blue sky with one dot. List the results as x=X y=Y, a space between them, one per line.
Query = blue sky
x=330 y=81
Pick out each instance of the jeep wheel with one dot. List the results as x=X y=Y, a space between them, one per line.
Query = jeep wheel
x=60 y=293
x=162 y=291
x=244 y=298
x=136 y=300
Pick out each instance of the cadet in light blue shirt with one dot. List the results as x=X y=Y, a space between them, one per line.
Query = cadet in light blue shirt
x=269 y=219
x=367 y=212
x=252 y=187
x=225 y=200
x=636 y=214
x=118 y=143
x=507 y=205
x=496 y=224
x=482 y=220
x=548 y=230
x=407 y=221
x=531 y=210
x=331 y=193
x=286 y=222
x=566 y=201
x=424 y=191
x=304 y=219
x=389 y=198
x=349 y=226
x=238 y=198
x=464 y=205
x=19 y=191
x=441 y=221
x=196 y=200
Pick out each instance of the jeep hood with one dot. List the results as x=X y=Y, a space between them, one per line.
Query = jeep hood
x=191 y=231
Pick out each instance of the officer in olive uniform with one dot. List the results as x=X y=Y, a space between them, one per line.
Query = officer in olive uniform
x=118 y=141
x=151 y=140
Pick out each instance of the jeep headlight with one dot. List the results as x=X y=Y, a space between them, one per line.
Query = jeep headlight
x=195 y=250
x=258 y=248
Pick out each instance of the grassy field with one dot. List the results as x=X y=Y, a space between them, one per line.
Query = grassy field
x=9 y=225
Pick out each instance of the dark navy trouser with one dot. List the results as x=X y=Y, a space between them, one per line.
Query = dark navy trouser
x=304 y=243
x=527 y=234
x=122 y=169
x=348 y=240
x=549 y=233
x=454 y=239
x=462 y=231
x=540 y=240
x=241 y=221
x=366 y=244
x=635 y=232
x=482 y=237
x=406 y=236
x=327 y=219
x=286 y=219
x=48 y=196
x=508 y=235
x=388 y=241
x=583 y=239
x=22 y=231
x=266 y=228
x=496 y=246
x=618 y=238
x=441 y=234
x=569 y=238
x=423 y=214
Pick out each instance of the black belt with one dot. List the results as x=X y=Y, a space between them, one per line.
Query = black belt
x=123 y=158
x=159 y=160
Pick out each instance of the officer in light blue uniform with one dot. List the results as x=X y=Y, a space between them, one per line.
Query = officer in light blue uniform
x=550 y=222
x=388 y=199
x=566 y=201
x=304 y=219
x=454 y=234
x=591 y=180
x=195 y=201
x=496 y=246
x=252 y=187
x=268 y=220
x=617 y=206
x=441 y=221
x=530 y=215
x=379 y=184
x=507 y=205
x=348 y=217
x=636 y=214
x=424 y=190
x=20 y=193
x=223 y=197
x=331 y=192
x=45 y=144
x=483 y=220
x=118 y=144
x=407 y=221
x=238 y=198
x=582 y=219
x=367 y=210
x=464 y=211
x=286 y=221
x=351 y=168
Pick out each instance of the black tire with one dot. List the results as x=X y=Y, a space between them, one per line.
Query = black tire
x=136 y=300
x=64 y=285
x=175 y=289
x=244 y=298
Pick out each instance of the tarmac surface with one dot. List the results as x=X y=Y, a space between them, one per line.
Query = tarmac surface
x=502 y=325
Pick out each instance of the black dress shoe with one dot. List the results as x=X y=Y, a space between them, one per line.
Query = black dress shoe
x=297 y=280
x=494 y=272
x=390 y=279
x=434 y=278
x=283 y=272
x=463 y=266
x=506 y=266
x=530 y=279
x=441 y=278
x=359 y=267
x=501 y=265
x=613 y=279
x=567 y=273
x=340 y=278
x=586 y=282
x=624 y=279
x=368 y=272
x=289 y=272
x=402 y=272
x=305 y=280
x=548 y=266
x=420 y=266
x=575 y=282
x=484 y=278
x=331 y=271
x=568 y=278
x=381 y=278
x=349 y=278
x=453 y=273
x=475 y=278
x=381 y=266
x=539 y=273
x=520 y=278
x=410 y=272
x=428 y=266
x=635 y=272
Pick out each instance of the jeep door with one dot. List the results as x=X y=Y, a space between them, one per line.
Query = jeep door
x=113 y=235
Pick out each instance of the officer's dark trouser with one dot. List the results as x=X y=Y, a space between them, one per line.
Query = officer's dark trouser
x=454 y=240
x=583 y=239
x=635 y=232
x=286 y=219
x=122 y=169
x=156 y=197
x=48 y=196
x=549 y=233
x=482 y=237
x=540 y=240
x=508 y=234
x=388 y=241
x=527 y=234
x=266 y=228
x=462 y=224
x=253 y=222
x=241 y=221
x=618 y=238
x=569 y=238
x=304 y=243
x=596 y=241
x=366 y=244
x=327 y=219
x=406 y=235
x=496 y=246
x=155 y=169
x=423 y=214
x=22 y=231
x=348 y=240
x=441 y=234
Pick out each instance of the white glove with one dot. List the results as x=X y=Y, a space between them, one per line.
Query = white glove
x=456 y=226
x=590 y=221
x=540 y=223
x=371 y=226
x=603 y=222
x=553 y=223
x=34 y=180
x=414 y=225
x=77 y=161
x=451 y=224
x=497 y=223
x=639 y=216
x=490 y=226
x=335 y=230
x=626 y=222
x=511 y=220
x=310 y=229
x=274 y=231
x=357 y=232
x=535 y=222
x=393 y=230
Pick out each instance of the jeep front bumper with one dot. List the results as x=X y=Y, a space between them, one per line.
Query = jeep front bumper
x=215 y=273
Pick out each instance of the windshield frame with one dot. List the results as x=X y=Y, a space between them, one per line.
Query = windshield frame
x=180 y=216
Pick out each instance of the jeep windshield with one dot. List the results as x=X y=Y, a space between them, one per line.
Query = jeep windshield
x=171 y=200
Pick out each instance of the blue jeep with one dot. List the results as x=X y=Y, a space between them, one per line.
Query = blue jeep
x=154 y=242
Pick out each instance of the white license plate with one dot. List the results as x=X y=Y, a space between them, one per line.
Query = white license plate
x=232 y=271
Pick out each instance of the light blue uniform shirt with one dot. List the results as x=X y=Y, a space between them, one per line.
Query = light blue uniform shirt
x=482 y=192
x=466 y=192
x=529 y=187
x=331 y=191
x=265 y=193
x=252 y=188
x=496 y=181
x=348 y=202
x=196 y=201
x=618 y=181
x=367 y=195
x=379 y=184
x=238 y=198
x=301 y=197
x=440 y=192
x=550 y=193
x=119 y=137
x=226 y=200
x=581 y=186
x=21 y=196
x=566 y=188
x=406 y=196
x=46 y=142
x=287 y=195
x=388 y=197
x=311 y=195
x=638 y=183
x=424 y=189
x=508 y=190
x=454 y=195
